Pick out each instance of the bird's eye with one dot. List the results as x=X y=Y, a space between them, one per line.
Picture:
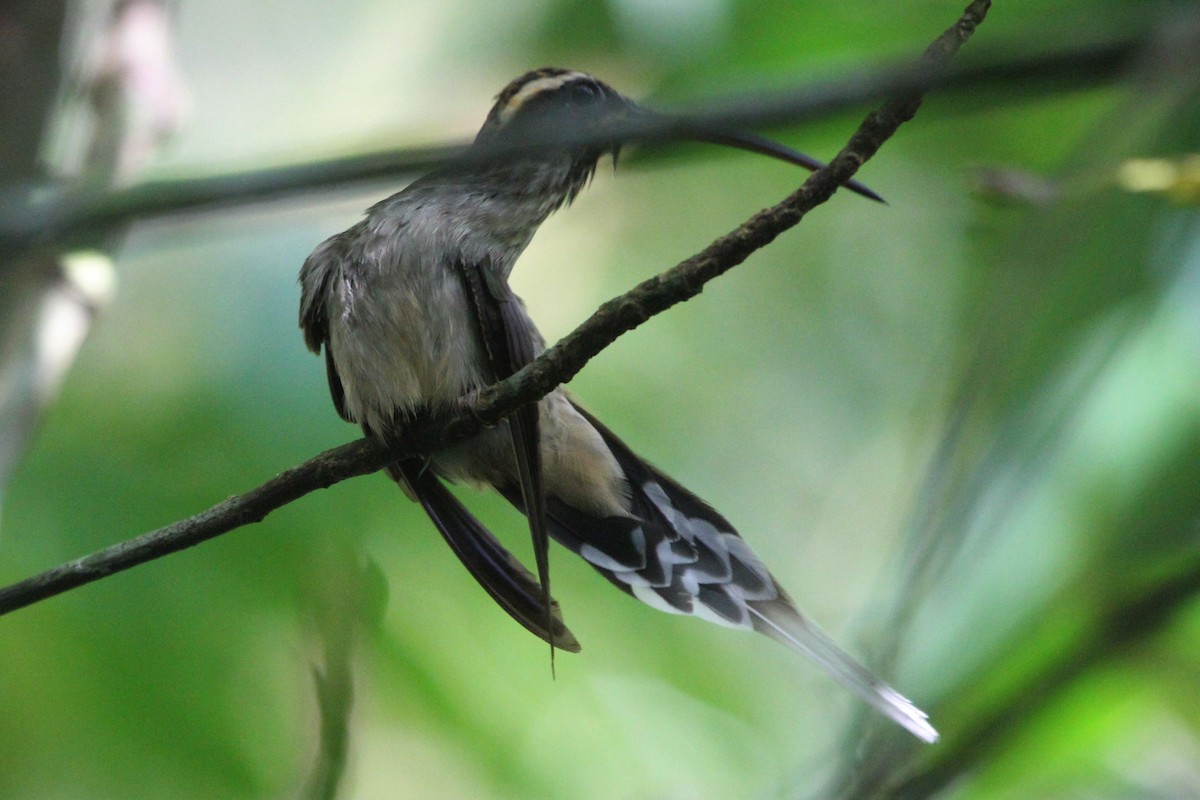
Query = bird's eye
x=584 y=93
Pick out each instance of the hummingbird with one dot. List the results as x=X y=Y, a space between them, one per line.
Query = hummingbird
x=413 y=310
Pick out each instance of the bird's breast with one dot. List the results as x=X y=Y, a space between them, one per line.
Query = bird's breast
x=401 y=335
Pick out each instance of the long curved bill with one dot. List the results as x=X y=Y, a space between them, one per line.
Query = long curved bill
x=754 y=143
x=741 y=140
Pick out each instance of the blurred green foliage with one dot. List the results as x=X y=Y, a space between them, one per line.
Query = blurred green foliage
x=964 y=435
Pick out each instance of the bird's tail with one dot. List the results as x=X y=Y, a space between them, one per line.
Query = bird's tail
x=499 y=572
x=676 y=553
x=780 y=620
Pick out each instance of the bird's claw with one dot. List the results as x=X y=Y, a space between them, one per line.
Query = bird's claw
x=465 y=404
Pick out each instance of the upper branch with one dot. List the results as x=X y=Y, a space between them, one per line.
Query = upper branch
x=33 y=215
x=555 y=366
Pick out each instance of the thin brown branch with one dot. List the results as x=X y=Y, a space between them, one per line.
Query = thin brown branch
x=554 y=367
x=356 y=458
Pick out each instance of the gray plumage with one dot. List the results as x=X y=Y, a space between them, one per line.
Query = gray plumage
x=413 y=310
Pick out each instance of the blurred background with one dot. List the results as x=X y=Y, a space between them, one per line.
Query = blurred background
x=962 y=428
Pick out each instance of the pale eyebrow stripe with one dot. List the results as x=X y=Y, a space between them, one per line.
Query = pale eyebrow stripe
x=535 y=87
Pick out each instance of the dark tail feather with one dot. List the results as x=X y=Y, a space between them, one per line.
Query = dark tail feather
x=684 y=557
x=503 y=577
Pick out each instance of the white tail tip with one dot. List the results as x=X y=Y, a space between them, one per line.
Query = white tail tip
x=782 y=621
x=900 y=709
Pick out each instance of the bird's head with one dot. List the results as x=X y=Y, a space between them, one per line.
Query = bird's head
x=550 y=105
x=553 y=104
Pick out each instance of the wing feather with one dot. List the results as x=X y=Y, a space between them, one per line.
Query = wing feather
x=321 y=270
x=509 y=344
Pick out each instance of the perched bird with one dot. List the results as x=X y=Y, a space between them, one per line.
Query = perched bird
x=413 y=309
